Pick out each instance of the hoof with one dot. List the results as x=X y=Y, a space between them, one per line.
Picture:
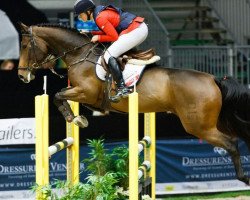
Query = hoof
x=245 y=179
x=97 y=113
x=81 y=121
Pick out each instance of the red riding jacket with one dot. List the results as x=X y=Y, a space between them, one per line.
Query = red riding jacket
x=108 y=20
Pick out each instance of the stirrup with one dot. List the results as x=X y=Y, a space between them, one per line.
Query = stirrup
x=123 y=92
x=120 y=93
x=115 y=98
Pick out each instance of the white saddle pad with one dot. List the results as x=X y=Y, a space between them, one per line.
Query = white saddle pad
x=131 y=73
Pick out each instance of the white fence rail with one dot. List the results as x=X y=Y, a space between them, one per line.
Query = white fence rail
x=217 y=60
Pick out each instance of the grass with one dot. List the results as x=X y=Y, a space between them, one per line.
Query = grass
x=207 y=196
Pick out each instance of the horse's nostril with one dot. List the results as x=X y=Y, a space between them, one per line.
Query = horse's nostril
x=23 y=79
x=20 y=77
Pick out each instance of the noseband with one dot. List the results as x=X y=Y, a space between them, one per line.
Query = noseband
x=37 y=65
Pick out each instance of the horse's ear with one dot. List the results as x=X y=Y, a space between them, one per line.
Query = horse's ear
x=24 y=28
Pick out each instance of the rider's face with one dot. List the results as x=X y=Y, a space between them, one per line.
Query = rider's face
x=83 y=17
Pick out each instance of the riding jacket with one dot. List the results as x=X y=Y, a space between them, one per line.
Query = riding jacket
x=113 y=22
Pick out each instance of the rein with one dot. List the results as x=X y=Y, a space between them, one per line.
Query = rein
x=37 y=65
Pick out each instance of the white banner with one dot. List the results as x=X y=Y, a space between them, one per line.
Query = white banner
x=200 y=187
x=17 y=195
x=17 y=131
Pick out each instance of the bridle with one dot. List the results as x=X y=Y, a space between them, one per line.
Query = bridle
x=49 y=58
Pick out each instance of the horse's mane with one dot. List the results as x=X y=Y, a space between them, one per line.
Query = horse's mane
x=65 y=27
x=88 y=36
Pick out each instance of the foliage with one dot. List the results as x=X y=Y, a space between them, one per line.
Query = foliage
x=101 y=162
x=107 y=179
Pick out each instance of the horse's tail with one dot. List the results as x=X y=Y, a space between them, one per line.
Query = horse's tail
x=234 y=117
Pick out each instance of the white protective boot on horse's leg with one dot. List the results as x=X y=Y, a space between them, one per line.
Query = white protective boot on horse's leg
x=81 y=121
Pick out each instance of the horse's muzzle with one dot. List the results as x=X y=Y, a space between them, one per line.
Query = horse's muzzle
x=26 y=79
x=21 y=77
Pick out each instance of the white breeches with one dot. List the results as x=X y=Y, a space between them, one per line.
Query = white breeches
x=126 y=42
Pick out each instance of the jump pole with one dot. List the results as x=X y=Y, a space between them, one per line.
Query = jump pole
x=43 y=151
x=42 y=139
x=72 y=130
x=150 y=153
x=73 y=150
x=133 y=146
x=148 y=144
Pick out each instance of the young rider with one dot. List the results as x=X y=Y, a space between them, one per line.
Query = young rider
x=124 y=29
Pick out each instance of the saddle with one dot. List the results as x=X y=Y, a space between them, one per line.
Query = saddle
x=135 y=62
x=134 y=56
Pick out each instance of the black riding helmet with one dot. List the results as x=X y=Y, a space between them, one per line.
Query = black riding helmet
x=81 y=6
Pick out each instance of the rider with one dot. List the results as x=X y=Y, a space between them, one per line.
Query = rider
x=124 y=29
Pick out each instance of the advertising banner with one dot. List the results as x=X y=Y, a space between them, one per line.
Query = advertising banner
x=196 y=166
x=17 y=131
x=17 y=171
x=182 y=166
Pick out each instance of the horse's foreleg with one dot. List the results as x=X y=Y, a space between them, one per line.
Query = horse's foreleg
x=219 y=139
x=60 y=100
x=64 y=107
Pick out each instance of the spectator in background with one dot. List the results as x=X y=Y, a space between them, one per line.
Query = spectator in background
x=7 y=65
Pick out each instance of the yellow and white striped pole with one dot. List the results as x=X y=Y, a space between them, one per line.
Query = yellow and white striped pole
x=63 y=144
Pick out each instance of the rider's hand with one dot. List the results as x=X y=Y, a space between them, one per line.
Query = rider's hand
x=84 y=31
x=95 y=38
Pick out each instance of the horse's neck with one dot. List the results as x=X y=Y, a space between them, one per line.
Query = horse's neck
x=62 y=41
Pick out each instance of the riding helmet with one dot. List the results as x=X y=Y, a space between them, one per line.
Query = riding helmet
x=81 y=6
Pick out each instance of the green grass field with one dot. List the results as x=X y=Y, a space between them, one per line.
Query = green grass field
x=223 y=195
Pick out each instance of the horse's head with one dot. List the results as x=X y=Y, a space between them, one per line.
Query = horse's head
x=33 y=52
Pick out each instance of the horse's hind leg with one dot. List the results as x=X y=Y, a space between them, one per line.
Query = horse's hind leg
x=217 y=138
x=65 y=109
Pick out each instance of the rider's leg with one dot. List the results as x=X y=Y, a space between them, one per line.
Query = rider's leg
x=122 y=90
x=124 y=43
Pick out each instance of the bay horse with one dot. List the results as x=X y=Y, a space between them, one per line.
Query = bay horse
x=215 y=110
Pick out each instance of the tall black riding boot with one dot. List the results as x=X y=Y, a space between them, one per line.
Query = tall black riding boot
x=122 y=90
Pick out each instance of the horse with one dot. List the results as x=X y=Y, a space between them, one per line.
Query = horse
x=212 y=109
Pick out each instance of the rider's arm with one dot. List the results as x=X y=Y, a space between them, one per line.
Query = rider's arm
x=107 y=21
x=97 y=33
